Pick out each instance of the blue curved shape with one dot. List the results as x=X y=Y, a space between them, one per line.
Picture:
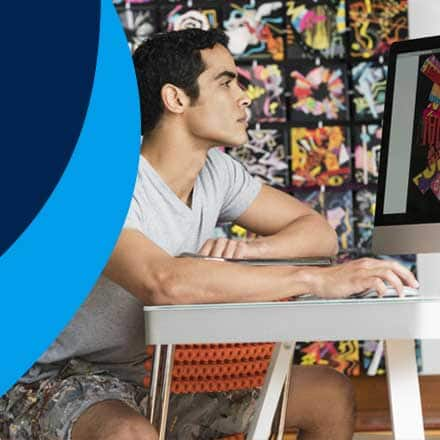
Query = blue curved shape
x=50 y=269
x=45 y=92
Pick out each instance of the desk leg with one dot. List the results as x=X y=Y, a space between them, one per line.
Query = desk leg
x=152 y=400
x=166 y=389
x=404 y=390
x=280 y=364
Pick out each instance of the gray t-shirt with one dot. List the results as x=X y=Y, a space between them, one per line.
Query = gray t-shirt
x=108 y=329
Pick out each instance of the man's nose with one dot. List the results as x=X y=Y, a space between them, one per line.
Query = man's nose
x=245 y=101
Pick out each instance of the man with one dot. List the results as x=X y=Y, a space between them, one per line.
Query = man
x=86 y=386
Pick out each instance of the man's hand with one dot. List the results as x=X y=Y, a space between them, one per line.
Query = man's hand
x=222 y=247
x=360 y=275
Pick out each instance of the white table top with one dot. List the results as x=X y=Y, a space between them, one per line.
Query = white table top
x=302 y=320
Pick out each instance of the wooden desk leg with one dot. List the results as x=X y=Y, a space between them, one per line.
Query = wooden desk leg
x=404 y=390
x=280 y=364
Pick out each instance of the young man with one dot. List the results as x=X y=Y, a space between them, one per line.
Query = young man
x=86 y=386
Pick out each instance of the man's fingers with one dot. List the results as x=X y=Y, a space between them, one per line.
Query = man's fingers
x=219 y=247
x=206 y=248
x=379 y=286
x=402 y=272
x=230 y=249
x=405 y=274
x=393 y=279
x=240 y=249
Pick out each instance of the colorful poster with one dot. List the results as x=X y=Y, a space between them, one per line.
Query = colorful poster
x=313 y=198
x=319 y=156
x=344 y=356
x=315 y=28
x=264 y=156
x=366 y=150
x=264 y=85
x=339 y=213
x=369 y=85
x=255 y=29
x=318 y=92
x=375 y=25
x=139 y=23
x=373 y=359
x=180 y=16
x=364 y=208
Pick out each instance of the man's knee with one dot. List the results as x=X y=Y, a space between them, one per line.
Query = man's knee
x=112 y=420
x=337 y=390
x=138 y=429
x=320 y=400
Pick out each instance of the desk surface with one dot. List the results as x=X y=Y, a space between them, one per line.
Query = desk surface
x=301 y=320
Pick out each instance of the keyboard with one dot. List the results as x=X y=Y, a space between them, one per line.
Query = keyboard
x=300 y=261
x=408 y=292
x=390 y=292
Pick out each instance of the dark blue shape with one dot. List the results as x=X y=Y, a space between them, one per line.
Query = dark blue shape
x=48 y=59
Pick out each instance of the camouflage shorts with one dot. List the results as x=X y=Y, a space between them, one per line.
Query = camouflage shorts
x=47 y=409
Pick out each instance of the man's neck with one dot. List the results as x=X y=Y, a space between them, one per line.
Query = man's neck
x=176 y=158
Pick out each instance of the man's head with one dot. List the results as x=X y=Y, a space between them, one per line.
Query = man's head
x=191 y=74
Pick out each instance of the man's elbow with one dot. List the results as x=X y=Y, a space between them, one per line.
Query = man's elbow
x=333 y=242
x=329 y=238
x=163 y=289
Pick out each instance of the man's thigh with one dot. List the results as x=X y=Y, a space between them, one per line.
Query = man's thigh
x=47 y=410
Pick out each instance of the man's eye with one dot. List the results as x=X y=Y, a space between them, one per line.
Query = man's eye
x=227 y=83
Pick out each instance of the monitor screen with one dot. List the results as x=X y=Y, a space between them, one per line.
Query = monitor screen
x=409 y=175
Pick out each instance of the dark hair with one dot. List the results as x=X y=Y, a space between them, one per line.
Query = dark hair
x=174 y=58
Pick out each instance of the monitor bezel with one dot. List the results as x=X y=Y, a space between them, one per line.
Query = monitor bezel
x=407 y=46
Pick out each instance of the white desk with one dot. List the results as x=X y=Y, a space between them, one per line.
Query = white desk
x=397 y=320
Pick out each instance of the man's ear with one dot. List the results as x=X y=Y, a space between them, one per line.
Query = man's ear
x=174 y=99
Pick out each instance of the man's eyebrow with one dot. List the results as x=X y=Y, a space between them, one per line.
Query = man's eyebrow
x=227 y=74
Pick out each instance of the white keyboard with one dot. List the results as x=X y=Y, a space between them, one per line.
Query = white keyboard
x=371 y=293
x=391 y=292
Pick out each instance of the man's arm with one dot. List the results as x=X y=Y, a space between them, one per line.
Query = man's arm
x=289 y=228
x=155 y=277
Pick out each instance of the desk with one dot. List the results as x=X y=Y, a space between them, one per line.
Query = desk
x=397 y=320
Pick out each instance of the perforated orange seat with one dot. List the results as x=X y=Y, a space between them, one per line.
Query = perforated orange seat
x=201 y=368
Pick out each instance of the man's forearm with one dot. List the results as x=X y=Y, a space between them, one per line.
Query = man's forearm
x=192 y=281
x=308 y=236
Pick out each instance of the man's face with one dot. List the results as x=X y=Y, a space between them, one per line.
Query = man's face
x=218 y=115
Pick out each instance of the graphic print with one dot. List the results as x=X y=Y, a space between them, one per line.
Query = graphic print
x=255 y=29
x=364 y=208
x=366 y=147
x=139 y=23
x=319 y=156
x=342 y=355
x=339 y=213
x=428 y=113
x=369 y=84
x=375 y=25
x=316 y=28
x=264 y=156
x=264 y=85
x=179 y=16
x=318 y=93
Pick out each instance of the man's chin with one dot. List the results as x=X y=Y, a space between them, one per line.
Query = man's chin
x=238 y=141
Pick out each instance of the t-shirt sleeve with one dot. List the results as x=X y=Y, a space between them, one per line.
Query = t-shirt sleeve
x=134 y=215
x=241 y=189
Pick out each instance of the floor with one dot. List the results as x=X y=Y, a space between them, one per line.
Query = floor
x=430 y=435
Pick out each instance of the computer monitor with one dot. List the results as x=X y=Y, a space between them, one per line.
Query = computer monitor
x=407 y=218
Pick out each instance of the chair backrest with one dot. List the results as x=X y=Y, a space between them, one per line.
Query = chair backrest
x=216 y=367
